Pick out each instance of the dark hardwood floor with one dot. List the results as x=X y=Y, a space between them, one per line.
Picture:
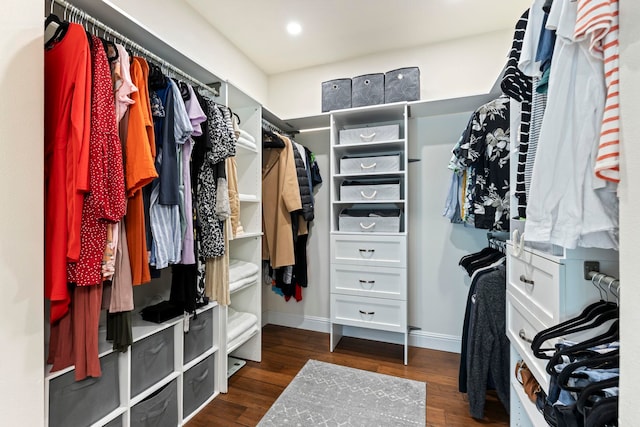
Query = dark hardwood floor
x=254 y=388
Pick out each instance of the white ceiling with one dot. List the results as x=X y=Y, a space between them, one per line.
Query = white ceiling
x=335 y=30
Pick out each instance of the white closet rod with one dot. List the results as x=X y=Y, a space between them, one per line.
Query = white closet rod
x=81 y=15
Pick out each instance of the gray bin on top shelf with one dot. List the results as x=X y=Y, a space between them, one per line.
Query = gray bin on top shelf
x=336 y=94
x=402 y=85
x=367 y=89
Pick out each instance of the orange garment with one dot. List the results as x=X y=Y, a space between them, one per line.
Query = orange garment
x=66 y=163
x=140 y=170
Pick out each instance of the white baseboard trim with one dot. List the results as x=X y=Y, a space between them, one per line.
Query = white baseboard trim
x=417 y=338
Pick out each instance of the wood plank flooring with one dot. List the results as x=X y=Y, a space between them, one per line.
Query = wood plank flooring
x=254 y=388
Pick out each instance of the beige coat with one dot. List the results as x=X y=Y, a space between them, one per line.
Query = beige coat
x=280 y=197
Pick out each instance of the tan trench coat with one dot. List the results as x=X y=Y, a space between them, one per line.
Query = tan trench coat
x=280 y=197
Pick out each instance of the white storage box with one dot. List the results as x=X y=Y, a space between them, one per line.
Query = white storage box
x=370 y=164
x=370 y=134
x=372 y=189
x=367 y=220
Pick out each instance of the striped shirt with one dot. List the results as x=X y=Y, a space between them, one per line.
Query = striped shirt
x=598 y=23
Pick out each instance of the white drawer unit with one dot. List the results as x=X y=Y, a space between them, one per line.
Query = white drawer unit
x=390 y=251
x=544 y=290
x=378 y=282
x=377 y=313
x=369 y=221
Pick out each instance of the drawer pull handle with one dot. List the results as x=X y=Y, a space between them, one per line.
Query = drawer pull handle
x=369 y=282
x=372 y=165
x=367 y=227
x=367 y=313
x=367 y=138
x=367 y=250
x=371 y=196
x=523 y=336
x=523 y=279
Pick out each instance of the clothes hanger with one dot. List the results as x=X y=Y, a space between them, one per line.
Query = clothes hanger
x=596 y=315
x=583 y=321
x=609 y=360
x=271 y=140
x=608 y=337
x=595 y=389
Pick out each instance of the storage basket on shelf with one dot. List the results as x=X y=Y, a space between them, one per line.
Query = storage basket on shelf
x=370 y=164
x=367 y=89
x=402 y=85
x=374 y=219
x=336 y=94
x=371 y=189
x=370 y=134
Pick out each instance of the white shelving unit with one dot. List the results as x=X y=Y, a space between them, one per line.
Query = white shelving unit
x=247 y=246
x=165 y=373
x=369 y=268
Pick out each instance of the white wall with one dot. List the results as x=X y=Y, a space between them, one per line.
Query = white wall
x=461 y=67
x=21 y=218
x=629 y=208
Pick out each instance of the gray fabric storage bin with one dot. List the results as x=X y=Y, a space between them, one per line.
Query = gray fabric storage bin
x=402 y=85
x=199 y=385
x=336 y=94
x=370 y=164
x=370 y=220
x=115 y=423
x=372 y=189
x=81 y=403
x=158 y=410
x=370 y=134
x=367 y=89
x=152 y=359
x=200 y=336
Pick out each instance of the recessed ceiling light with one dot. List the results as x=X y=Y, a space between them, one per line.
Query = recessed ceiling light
x=294 y=28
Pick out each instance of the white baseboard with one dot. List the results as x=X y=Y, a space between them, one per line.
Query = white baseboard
x=417 y=338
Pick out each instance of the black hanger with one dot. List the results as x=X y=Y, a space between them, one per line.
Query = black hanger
x=61 y=29
x=184 y=90
x=271 y=140
x=608 y=360
x=594 y=390
x=593 y=315
x=611 y=335
x=157 y=80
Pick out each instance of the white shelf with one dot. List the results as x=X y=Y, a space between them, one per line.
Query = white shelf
x=368 y=147
x=142 y=329
x=247 y=236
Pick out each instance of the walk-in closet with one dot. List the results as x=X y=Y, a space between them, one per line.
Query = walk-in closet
x=256 y=213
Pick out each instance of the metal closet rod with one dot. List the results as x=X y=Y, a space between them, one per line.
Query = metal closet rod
x=608 y=282
x=84 y=16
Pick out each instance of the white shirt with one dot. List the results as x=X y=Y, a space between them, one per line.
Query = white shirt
x=564 y=208
x=527 y=62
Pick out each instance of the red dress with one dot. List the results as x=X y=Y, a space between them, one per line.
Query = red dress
x=66 y=165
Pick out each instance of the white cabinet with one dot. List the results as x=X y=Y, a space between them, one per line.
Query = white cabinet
x=167 y=374
x=544 y=290
x=369 y=234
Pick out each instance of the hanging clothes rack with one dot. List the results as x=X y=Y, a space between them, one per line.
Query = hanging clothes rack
x=273 y=128
x=78 y=15
x=605 y=282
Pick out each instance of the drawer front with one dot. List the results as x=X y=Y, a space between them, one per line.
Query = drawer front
x=379 y=282
x=69 y=399
x=199 y=385
x=389 y=251
x=151 y=360
x=366 y=192
x=537 y=282
x=522 y=326
x=200 y=336
x=375 y=313
x=158 y=410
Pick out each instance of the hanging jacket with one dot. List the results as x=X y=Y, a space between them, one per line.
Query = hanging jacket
x=303 y=182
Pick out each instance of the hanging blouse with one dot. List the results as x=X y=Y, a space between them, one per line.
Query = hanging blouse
x=106 y=200
x=486 y=153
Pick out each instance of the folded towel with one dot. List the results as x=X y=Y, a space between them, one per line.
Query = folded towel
x=239 y=269
x=234 y=286
x=246 y=135
x=239 y=322
x=247 y=143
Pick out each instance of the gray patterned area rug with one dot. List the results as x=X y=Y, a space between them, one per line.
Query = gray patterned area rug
x=324 y=394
